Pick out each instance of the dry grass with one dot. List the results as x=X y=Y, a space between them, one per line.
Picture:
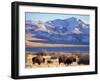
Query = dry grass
x=82 y=59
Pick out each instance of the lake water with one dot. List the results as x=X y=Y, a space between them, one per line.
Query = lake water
x=58 y=49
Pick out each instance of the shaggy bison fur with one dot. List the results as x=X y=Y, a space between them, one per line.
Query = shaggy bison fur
x=38 y=59
x=67 y=60
x=84 y=59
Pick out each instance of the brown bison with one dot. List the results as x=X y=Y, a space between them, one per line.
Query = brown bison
x=67 y=60
x=70 y=60
x=38 y=59
x=84 y=59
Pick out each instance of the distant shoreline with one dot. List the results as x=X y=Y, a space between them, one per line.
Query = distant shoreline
x=34 y=44
x=32 y=52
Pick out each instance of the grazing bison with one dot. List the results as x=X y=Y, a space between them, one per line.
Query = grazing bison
x=84 y=59
x=67 y=60
x=62 y=59
x=38 y=59
x=70 y=60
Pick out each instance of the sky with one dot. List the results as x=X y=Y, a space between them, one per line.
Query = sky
x=35 y=16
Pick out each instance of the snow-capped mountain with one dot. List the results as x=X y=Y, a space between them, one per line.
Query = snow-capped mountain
x=71 y=30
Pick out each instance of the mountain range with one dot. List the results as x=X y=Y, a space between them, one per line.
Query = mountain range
x=59 y=31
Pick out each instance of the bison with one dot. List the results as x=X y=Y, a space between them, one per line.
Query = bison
x=67 y=60
x=38 y=59
x=70 y=60
x=62 y=59
x=84 y=59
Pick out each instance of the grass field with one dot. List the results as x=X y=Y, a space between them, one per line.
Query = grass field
x=52 y=59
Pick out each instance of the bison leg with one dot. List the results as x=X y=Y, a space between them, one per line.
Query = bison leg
x=34 y=60
x=38 y=61
x=68 y=61
x=60 y=60
x=43 y=60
